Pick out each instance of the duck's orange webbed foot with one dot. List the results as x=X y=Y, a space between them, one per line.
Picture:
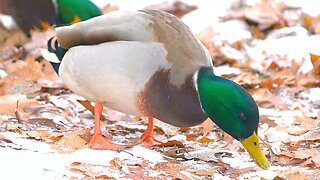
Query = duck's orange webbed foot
x=98 y=141
x=147 y=138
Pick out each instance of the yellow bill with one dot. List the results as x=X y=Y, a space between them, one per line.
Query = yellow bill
x=252 y=145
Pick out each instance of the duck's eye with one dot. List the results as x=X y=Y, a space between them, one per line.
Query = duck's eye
x=243 y=116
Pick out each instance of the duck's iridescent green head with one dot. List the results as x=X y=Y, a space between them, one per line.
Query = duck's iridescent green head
x=233 y=109
x=228 y=104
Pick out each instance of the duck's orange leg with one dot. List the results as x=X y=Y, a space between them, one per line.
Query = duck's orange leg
x=147 y=137
x=98 y=141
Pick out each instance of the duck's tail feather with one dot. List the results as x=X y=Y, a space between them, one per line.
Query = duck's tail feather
x=54 y=53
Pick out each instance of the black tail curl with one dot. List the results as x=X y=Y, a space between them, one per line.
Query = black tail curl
x=58 y=51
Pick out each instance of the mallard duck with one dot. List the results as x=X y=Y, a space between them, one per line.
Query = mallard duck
x=70 y=11
x=30 y=14
x=149 y=64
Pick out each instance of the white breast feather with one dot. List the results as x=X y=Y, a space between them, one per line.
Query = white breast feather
x=113 y=72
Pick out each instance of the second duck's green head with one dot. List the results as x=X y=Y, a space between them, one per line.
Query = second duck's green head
x=70 y=10
x=233 y=109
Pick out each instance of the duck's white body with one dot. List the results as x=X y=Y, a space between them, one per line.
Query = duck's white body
x=117 y=86
x=139 y=63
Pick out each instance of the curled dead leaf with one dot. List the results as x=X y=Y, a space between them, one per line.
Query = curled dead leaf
x=171 y=144
x=77 y=167
x=114 y=164
x=206 y=155
x=177 y=149
x=175 y=152
x=87 y=105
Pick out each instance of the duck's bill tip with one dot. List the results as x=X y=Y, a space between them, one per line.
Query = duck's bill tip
x=252 y=145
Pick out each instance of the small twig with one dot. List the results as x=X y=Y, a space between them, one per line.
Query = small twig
x=17 y=114
x=265 y=143
x=123 y=150
x=56 y=172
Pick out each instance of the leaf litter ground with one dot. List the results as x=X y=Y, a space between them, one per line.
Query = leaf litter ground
x=45 y=128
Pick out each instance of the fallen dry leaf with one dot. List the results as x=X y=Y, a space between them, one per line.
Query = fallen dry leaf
x=87 y=105
x=42 y=122
x=172 y=168
x=8 y=105
x=70 y=142
x=270 y=82
x=266 y=12
x=178 y=8
x=22 y=77
x=315 y=59
x=295 y=174
x=257 y=33
x=205 y=140
x=204 y=173
x=297 y=157
x=175 y=152
x=312 y=23
x=16 y=38
x=109 y=8
x=207 y=127
x=171 y=144
x=293 y=146
x=4 y=139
